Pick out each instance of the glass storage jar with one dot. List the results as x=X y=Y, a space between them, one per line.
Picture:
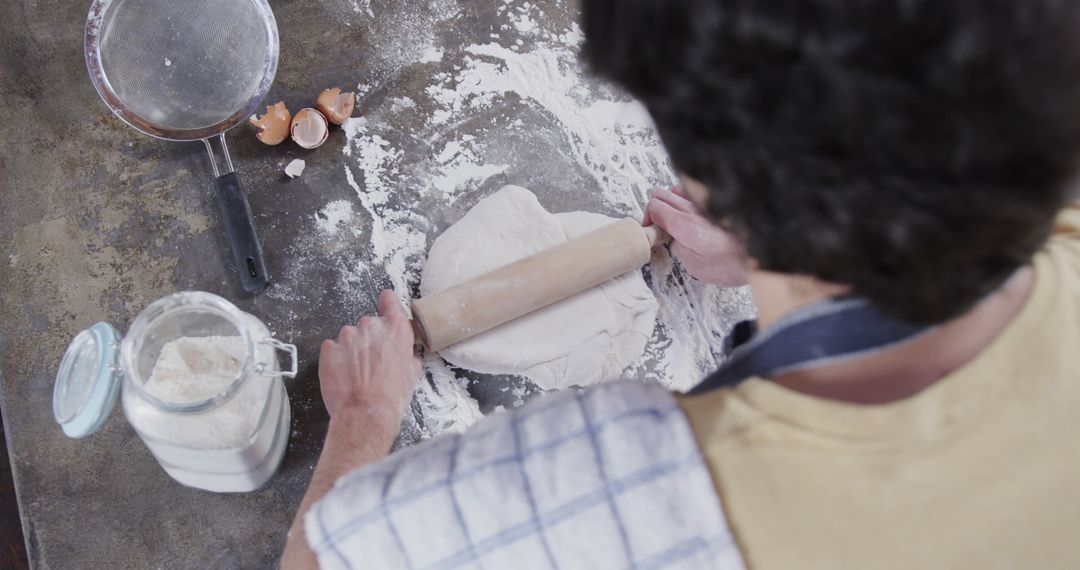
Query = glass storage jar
x=201 y=385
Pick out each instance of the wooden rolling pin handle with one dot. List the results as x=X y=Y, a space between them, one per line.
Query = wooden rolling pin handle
x=534 y=282
x=655 y=235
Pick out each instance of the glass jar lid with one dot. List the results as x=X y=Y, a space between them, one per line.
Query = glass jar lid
x=87 y=383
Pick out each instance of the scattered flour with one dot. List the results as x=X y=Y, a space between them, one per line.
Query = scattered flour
x=363 y=6
x=403 y=33
x=611 y=138
x=398 y=104
x=460 y=166
x=398 y=238
x=334 y=216
x=431 y=55
x=444 y=399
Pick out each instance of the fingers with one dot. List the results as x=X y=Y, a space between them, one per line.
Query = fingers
x=670 y=219
x=346 y=332
x=675 y=197
x=392 y=317
x=658 y=195
x=677 y=200
x=390 y=305
x=391 y=309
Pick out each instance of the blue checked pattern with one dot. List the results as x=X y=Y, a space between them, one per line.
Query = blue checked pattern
x=608 y=477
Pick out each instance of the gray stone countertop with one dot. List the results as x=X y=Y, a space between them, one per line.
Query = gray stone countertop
x=97 y=221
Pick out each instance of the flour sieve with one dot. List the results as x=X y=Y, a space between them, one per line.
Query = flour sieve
x=190 y=70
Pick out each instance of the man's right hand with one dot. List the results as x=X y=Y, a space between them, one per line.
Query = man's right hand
x=707 y=252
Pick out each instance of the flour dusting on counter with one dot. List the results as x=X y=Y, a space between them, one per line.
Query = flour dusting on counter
x=445 y=400
x=334 y=216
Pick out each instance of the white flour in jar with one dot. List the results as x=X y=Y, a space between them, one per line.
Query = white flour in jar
x=194 y=369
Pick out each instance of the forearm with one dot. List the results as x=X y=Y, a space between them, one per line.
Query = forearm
x=355 y=438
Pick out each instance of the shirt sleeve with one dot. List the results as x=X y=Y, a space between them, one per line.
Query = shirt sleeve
x=609 y=477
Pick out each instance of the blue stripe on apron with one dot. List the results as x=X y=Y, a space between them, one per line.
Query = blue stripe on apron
x=817 y=335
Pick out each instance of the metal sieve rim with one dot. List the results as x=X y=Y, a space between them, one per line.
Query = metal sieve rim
x=92 y=52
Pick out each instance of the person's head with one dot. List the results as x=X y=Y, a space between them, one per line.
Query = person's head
x=914 y=150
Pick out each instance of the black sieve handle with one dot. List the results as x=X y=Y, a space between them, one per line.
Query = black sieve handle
x=240 y=230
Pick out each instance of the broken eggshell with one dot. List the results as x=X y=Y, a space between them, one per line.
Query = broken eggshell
x=274 y=125
x=295 y=168
x=309 y=128
x=335 y=105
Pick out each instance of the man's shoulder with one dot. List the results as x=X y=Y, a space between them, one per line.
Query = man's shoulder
x=602 y=477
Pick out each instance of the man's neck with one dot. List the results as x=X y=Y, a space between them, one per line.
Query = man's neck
x=778 y=294
x=900 y=372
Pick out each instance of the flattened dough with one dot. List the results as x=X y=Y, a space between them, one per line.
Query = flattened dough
x=590 y=337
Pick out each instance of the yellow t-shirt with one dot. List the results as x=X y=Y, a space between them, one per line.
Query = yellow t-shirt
x=980 y=470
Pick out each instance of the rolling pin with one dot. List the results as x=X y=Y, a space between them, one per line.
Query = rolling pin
x=531 y=283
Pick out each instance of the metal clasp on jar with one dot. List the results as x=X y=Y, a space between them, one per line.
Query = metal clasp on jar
x=260 y=368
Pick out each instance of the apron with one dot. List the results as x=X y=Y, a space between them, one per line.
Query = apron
x=824 y=333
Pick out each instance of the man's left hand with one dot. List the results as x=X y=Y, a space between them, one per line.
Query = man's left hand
x=372 y=366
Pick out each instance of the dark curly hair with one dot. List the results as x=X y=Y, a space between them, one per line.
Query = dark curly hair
x=916 y=150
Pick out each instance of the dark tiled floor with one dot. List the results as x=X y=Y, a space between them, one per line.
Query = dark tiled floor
x=12 y=547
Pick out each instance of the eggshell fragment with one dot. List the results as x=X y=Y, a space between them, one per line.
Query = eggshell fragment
x=335 y=105
x=274 y=125
x=309 y=128
x=295 y=168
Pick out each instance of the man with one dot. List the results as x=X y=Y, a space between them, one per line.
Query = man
x=895 y=176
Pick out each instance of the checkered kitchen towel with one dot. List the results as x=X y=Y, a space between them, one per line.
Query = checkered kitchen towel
x=608 y=477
